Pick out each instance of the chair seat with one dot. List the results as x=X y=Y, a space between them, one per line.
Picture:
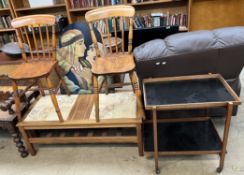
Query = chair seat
x=32 y=70
x=113 y=64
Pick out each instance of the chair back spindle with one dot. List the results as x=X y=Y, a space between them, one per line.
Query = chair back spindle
x=33 y=30
x=122 y=33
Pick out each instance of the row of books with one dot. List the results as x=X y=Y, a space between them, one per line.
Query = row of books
x=5 y=22
x=3 y=3
x=160 y=19
x=93 y=3
x=146 y=21
x=6 y=38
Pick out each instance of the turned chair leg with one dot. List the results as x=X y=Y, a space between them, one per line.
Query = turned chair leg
x=54 y=99
x=16 y=135
x=96 y=96
x=106 y=84
x=42 y=92
x=16 y=100
x=16 y=138
x=62 y=80
x=131 y=80
x=29 y=145
x=137 y=91
x=19 y=144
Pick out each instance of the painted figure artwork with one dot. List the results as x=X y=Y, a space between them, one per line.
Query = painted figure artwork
x=76 y=60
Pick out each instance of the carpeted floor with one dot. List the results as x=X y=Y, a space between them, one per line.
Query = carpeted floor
x=121 y=159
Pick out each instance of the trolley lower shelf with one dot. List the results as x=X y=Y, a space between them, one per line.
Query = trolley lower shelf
x=182 y=137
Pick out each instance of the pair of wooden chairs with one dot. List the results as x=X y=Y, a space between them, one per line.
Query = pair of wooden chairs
x=41 y=62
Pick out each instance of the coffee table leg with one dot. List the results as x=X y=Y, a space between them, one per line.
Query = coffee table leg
x=225 y=137
x=155 y=140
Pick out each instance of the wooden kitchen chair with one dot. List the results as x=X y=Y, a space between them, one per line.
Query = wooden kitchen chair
x=118 y=60
x=34 y=31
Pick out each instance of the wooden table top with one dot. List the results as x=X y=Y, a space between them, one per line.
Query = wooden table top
x=7 y=60
x=7 y=65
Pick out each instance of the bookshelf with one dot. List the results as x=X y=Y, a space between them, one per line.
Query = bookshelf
x=230 y=13
x=7 y=33
x=75 y=9
x=144 y=9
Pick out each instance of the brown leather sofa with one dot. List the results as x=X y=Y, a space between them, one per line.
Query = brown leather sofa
x=199 y=52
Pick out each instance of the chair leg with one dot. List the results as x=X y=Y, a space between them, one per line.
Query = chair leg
x=131 y=80
x=54 y=99
x=62 y=80
x=137 y=91
x=11 y=127
x=19 y=144
x=29 y=145
x=96 y=96
x=42 y=92
x=16 y=100
x=139 y=139
x=106 y=84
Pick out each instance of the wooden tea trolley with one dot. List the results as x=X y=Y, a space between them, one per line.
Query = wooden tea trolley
x=187 y=135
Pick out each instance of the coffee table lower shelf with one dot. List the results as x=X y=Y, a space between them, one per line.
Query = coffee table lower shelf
x=183 y=138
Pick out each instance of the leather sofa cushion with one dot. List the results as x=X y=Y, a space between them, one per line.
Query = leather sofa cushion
x=190 y=42
x=151 y=49
x=229 y=36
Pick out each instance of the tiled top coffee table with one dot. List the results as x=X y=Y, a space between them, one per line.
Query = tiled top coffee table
x=193 y=135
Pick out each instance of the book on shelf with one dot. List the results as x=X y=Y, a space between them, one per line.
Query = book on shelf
x=5 y=22
x=4 y=4
x=7 y=38
x=93 y=3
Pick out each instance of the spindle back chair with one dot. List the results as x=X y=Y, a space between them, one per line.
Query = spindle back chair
x=39 y=64
x=115 y=61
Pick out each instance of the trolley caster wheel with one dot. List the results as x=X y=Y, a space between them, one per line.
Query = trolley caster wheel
x=219 y=170
x=157 y=171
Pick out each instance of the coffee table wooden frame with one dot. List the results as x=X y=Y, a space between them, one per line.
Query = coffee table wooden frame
x=206 y=105
x=78 y=120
